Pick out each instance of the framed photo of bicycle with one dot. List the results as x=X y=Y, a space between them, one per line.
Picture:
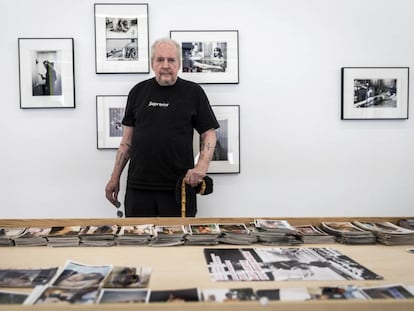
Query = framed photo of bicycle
x=209 y=56
x=374 y=93
x=109 y=113
x=46 y=73
x=121 y=38
x=226 y=158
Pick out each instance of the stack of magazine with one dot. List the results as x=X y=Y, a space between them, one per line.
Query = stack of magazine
x=103 y=235
x=7 y=235
x=276 y=232
x=134 y=234
x=64 y=236
x=347 y=233
x=34 y=236
x=202 y=234
x=168 y=235
x=388 y=233
x=314 y=235
x=236 y=233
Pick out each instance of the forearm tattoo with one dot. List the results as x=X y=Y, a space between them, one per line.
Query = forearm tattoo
x=123 y=155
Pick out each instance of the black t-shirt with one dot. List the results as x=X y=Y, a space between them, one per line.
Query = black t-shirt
x=164 y=119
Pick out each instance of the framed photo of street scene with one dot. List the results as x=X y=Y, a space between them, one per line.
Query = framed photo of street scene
x=121 y=38
x=46 y=73
x=374 y=93
x=109 y=113
x=226 y=158
x=209 y=56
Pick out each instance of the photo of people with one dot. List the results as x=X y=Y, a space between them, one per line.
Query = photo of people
x=115 y=119
x=121 y=39
x=206 y=56
x=76 y=275
x=46 y=74
x=375 y=93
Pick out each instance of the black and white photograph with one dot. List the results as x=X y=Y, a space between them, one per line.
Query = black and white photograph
x=121 y=38
x=123 y=295
x=208 y=56
x=226 y=157
x=109 y=114
x=375 y=93
x=12 y=298
x=26 y=277
x=46 y=73
x=283 y=264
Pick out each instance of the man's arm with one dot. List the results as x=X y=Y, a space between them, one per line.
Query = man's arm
x=122 y=158
x=208 y=144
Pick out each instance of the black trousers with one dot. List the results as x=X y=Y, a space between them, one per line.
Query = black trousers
x=155 y=203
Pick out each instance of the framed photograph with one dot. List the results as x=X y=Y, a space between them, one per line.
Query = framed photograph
x=209 y=56
x=226 y=157
x=121 y=38
x=109 y=113
x=46 y=73
x=374 y=93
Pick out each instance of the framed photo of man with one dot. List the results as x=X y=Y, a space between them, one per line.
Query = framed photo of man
x=209 y=56
x=46 y=73
x=226 y=157
x=121 y=38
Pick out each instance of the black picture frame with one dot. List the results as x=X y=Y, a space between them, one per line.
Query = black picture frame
x=374 y=93
x=226 y=158
x=209 y=56
x=121 y=38
x=46 y=73
x=110 y=110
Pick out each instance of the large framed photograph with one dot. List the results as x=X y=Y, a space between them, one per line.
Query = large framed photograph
x=109 y=113
x=226 y=158
x=374 y=93
x=121 y=38
x=209 y=56
x=46 y=73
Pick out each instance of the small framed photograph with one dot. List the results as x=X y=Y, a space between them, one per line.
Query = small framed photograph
x=374 y=93
x=121 y=38
x=209 y=56
x=226 y=158
x=109 y=114
x=46 y=73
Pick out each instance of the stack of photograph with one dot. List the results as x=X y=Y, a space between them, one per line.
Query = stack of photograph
x=388 y=233
x=168 y=235
x=276 y=232
x=7 y=235
x=203 y=234
x=406 y=223
x=237 y=234
x=314 y=235
x=103 y=235
x=64 y=236
x=34 y=236
x=347 y=233
x=134 y=234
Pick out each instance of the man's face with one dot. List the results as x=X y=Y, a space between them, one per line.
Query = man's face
x=165 y=64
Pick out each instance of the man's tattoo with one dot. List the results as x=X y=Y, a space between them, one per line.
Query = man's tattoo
x=122 y=158
x=206 y=146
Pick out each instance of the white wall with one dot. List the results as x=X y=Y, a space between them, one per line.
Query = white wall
x=297 y=157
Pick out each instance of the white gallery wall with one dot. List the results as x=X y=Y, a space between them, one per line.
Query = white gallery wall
x=298 y=158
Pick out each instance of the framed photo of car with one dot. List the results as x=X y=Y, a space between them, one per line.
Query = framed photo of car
x=121 y=38
x=374 y=93
x=209 y=56
x=226 y=158
x=109 y=114
x=46 y=73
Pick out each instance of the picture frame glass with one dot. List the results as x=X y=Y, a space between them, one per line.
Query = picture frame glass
x=110 y=111
x=208 y=56
x=374 y=93
x=121 y=38
x=46 y=73
x=226 y=157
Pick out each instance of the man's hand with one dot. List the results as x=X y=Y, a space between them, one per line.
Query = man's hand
x=111 y=192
